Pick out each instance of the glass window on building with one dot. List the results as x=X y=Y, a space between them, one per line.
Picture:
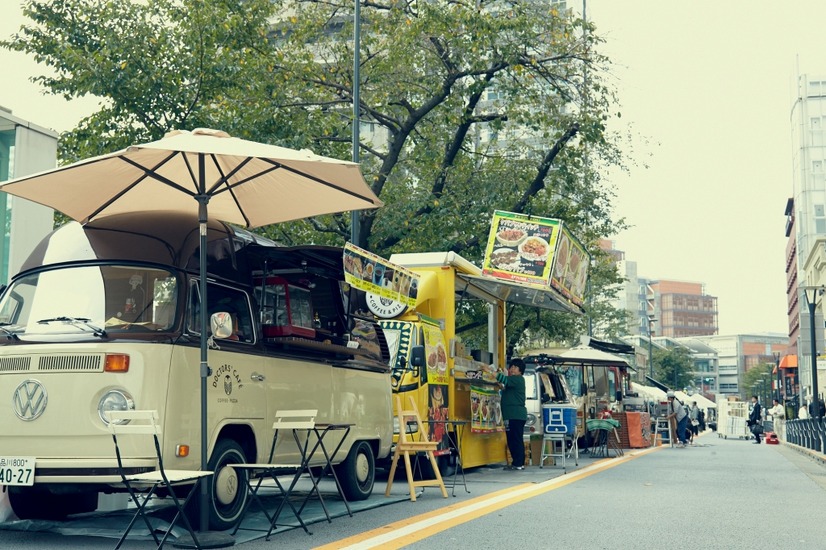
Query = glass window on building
x=7 y=133
x=820 y=218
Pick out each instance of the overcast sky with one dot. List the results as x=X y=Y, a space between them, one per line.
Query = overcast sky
x=707 y=86
x=711 y=84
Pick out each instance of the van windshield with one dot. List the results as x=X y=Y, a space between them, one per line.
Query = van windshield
x=92 y=299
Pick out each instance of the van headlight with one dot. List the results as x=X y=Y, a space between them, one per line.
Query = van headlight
x=115 y=400
x=531 y=420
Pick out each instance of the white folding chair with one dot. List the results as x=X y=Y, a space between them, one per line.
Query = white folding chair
x=125 y=427
x=294 y=421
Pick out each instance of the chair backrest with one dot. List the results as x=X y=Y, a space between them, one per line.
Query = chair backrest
x=300 y=419
x=406 y=418
x=133 y=422
x=129 y=423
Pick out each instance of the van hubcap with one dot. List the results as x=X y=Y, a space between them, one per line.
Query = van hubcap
x=226 y=485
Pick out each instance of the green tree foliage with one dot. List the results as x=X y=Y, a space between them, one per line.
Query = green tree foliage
x=751 y=380
x=474 y=106
x=673 y=367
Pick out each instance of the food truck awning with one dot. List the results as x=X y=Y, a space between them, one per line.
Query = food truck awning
x=521 y=293
x=584 y=355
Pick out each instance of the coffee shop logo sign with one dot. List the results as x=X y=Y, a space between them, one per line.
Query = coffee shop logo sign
x=227 y=376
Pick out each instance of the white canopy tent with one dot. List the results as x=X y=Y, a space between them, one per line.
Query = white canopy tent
x=649 y=392
x=702 y=402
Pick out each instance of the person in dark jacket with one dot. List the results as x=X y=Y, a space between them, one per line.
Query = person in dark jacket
x=514 y=410
x=754 y=418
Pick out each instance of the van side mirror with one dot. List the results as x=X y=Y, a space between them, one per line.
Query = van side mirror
x=417 y=359
x=619 y=395
x=221 y=324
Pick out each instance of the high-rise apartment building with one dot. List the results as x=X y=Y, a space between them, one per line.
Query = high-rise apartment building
x=683 y=309
x=25 y=148
x=663 y=307
x=806 y=215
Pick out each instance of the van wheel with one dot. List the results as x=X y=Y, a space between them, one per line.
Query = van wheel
x=228 y=486
x=358 y=472
x=28 y=503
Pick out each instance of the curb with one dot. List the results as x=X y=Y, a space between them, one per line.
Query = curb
x=814 y=455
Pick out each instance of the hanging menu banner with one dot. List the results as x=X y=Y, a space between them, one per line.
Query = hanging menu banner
x=538 y=251
x=521 y=248
x=570 y=271
x=371 y=273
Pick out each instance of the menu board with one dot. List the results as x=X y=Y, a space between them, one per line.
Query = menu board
x=485 y=410
x=371 y=273
x=570 y=272
x=521 y=248
x=436 y=354
x=538 y=251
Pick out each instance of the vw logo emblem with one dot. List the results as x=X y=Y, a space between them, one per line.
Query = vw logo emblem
x=29 y=400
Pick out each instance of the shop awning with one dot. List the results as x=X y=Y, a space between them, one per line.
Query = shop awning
x=788 y=362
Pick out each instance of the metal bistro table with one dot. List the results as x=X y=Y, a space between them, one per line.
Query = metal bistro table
x=601 y=431
x=454 y=441
x=321 y=431
x=306 y=450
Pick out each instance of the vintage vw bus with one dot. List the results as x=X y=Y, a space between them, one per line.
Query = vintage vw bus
x=105 y=316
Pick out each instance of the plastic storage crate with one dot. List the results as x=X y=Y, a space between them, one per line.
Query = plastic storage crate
x=559 y=419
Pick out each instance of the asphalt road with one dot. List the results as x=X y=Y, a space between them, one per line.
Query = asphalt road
x=721 y=494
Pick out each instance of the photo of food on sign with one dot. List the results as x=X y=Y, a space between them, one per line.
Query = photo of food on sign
x=438 y=411
x=437 y=359
x=520 y=245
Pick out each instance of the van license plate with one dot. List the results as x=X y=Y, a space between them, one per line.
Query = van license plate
x=16 y=470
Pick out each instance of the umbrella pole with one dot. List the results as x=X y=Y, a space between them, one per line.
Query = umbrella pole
x=206 y=538
x=202 y=229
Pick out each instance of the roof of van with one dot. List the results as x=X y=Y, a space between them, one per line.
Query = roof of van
x=167 y=238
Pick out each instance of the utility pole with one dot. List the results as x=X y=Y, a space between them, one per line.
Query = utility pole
x=651 y=320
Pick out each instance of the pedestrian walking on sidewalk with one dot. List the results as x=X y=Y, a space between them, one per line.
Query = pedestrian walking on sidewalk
x=754 y=421
x=693 y=422
x=677 y=412
x=514 y=410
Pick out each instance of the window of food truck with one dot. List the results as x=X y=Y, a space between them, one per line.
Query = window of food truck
x=612 y=385
x=573 y=376
x=226 y=299
x=111 y=297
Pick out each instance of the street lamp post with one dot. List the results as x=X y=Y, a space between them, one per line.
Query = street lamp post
x=812 y=303
x=355 y=233
x=651 y=321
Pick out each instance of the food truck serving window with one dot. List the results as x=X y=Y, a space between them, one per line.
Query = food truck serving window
x=286 y=308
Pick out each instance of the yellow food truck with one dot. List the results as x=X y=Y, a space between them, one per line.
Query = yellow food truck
x=455 y=385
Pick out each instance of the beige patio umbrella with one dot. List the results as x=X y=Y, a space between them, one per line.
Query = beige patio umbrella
x=244 y=182
x=208 y=172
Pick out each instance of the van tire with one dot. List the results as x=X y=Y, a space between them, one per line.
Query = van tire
x=358 y=472
x=228 y=486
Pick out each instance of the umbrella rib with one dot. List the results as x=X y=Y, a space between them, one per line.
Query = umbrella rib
x=318 y=180
x=152 y=173
x=147 y=173
x=223 y=180
x=117 y=196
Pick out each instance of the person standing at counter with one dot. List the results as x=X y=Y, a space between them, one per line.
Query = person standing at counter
x=514 y=410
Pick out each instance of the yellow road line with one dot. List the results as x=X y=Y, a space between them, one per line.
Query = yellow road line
x=410 y=530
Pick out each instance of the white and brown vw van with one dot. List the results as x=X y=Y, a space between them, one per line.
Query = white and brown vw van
x=105 y=316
